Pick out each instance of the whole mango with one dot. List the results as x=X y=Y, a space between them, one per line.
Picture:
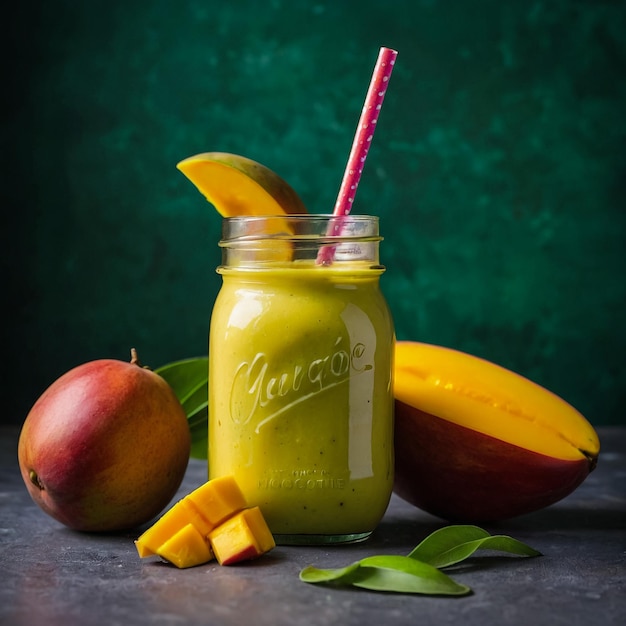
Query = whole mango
x=477 y=442
x=105 y=447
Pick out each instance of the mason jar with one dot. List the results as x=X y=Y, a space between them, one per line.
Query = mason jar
x=300 y=374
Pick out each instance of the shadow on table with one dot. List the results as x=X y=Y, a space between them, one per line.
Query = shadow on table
x=400 y=533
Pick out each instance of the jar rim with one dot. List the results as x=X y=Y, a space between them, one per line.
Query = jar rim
x=303 y=216
x=322 y=228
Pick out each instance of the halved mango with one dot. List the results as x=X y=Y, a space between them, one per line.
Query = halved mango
x=486 y=397
x=475 y=441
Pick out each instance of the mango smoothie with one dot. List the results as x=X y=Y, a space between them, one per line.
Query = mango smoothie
x=300 y=396
x=300 y=384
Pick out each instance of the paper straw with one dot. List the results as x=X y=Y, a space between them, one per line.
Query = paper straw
x=361 y=144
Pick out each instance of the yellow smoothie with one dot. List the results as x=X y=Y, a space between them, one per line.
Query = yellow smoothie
x=300 y=395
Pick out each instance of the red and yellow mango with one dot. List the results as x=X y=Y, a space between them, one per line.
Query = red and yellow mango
x=477 y=442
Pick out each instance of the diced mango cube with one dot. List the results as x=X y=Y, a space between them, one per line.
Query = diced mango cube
x=211 y=521
x=186 y=548
x=205 y=508
x=243 y=536
x=217 y=499
x=195 y=517
x=164 y=528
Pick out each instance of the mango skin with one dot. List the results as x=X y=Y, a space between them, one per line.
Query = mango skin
x=105 y=447
x=462 y=473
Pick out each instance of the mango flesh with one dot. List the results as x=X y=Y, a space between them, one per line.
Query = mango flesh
x=212 y=521
x=105 y=447
x=166 y=527
x=477 y=442
x=186 y=548
x=204 y=508
x=236 y=185
x=243 y=537
x=217 y=500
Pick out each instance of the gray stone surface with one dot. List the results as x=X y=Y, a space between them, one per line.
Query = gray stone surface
x=57 y=577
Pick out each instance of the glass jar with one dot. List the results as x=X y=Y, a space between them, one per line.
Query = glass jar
x=300 y=374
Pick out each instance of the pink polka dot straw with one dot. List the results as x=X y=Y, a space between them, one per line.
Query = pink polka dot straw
x=361 y=144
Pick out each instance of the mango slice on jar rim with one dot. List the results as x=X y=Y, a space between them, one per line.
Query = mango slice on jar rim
x=237 y=186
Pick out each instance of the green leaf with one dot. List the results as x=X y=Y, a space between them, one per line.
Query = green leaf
x=198 y=426
x=399 y=574
x=445 y=539
x=453 y=544
x=405 y=575
x=420 y=571
x=189 y=380
x=341 y=574
x=185 y=376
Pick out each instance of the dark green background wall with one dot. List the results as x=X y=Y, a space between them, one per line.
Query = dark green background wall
x=498 y=171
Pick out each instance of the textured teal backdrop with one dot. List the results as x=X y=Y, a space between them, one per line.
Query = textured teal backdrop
x=498 y=171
